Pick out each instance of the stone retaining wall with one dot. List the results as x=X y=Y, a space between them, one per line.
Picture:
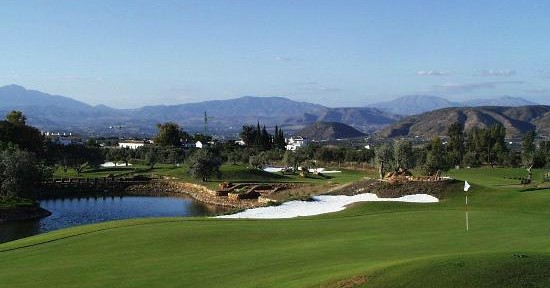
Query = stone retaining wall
x=198 y=192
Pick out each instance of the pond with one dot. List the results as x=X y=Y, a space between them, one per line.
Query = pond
x=68 y=212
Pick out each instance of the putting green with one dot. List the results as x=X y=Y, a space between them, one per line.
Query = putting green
x=386 y=244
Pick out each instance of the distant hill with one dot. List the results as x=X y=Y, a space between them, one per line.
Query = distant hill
x=517 y=120
x=413 y=104
x=320 y=131
x=501 y=101
x=417 y=104
x=13 y=96
x=52 y=112
x=232 y=112
x=363 y=119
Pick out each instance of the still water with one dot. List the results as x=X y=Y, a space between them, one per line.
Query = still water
x=68 y=212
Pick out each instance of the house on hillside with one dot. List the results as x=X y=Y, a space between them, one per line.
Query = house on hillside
x=294 y=143
x=64 y=139
x=131 y=144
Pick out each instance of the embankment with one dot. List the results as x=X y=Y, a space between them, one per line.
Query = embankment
x=198 y=192
x=22 y=213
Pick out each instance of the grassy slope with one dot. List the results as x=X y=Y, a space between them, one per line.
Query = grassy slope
x=393 y=244
x=234 y=173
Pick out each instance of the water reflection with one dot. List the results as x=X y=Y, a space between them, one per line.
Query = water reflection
x=69 y=212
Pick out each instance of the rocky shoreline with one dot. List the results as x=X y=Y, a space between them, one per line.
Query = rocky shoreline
x=23 y=213
x=198 y=192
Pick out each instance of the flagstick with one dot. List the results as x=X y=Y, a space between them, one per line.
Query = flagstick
x=467 y=224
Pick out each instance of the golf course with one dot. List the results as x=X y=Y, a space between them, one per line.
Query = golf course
x=370 y=244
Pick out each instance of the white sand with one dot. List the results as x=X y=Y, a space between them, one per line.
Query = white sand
x=316 y=170
x=273 y=169
x=113 y=164
x=321 y=205
x=325 y=171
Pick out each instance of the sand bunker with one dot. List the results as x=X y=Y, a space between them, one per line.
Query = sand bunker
x=322 y=205
x=313 y=170
x=273 y=169
x=113 y=164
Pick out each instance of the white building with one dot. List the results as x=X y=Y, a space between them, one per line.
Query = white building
x=294 y=143
x=131 y=144
x=64 y=139
x=199 y=145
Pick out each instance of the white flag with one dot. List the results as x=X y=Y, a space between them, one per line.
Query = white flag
x=466 y=186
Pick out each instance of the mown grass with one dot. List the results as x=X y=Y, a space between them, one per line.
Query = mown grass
x=386 y=244
x=230 y=172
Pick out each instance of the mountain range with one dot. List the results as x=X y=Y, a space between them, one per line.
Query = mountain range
x=516 y=120
x=225 y=117
x=416 y=104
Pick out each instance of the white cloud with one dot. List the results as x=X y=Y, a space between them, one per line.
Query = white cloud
x=283 y=59
x=498 y=73
x=454 y=88
x=314 y=86
x=432 y=73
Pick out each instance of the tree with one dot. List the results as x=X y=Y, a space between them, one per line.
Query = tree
x=16 y=117
x=455 y=144
x=233 y=157
x=541 y=156
x=435 y=159
x=529 y=148
x=279 y=141
x=124 y=155
x=20 y=172
x=265 y=139
x=13 y=130
x=258 y=136
x=257 y=161
x=487 y=144
x=78 y=157
x=497 y=145
x=294 y=158
x=383 y=156
x=152 y=156
x=325 y=154
x=403 y=153
x=170 y=134
x=175 y=156
x=247 y=134
x=205 y=163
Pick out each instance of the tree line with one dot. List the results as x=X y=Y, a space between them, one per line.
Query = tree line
x=473 y=148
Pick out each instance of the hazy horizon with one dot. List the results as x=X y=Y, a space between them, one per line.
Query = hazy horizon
x=242 y=96
x=128 y=54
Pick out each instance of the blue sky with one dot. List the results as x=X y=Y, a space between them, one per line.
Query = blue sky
x=338 y=53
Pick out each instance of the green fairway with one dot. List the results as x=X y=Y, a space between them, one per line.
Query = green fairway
x=230 y=172
x=383 y=244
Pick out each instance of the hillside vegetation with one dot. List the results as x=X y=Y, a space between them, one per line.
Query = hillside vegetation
x=516 y=120
x=329 y=131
